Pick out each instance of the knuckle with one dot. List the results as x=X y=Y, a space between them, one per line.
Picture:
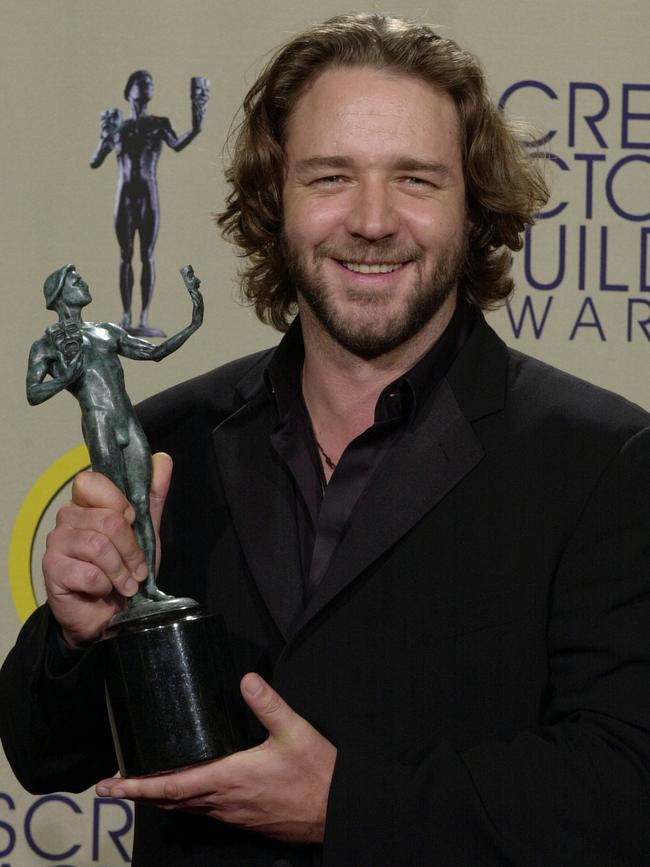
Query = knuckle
x=93 y=580
x=65 y=514
x=51 y=564
x=273 y=704
x=97 y=542
x=111 y=524
x=172 y=791
x=52 y=540
x=80 y=483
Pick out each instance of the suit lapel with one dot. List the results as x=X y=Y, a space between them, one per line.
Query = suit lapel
x=260 y=494
x=432 y=457
x=428 y=461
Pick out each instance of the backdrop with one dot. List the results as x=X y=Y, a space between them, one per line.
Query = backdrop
x=578 y=71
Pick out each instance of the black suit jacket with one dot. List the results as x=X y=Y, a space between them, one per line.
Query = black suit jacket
x=478 y=651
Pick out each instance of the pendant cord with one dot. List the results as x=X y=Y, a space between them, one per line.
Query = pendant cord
x=330 y=463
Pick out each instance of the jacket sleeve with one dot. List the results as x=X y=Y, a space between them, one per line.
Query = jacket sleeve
x=53 y=720
x=573 y=792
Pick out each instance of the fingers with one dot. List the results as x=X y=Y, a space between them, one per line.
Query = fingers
x=270 y=709
x=180 y=786
x=100 y=538
x=94 y=490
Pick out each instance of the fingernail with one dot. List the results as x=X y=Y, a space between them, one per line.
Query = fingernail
x=130 y=587
x=253 y=684
x=102 y=791
x=142 y=571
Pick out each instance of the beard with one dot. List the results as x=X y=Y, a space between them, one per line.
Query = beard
x=375 y=335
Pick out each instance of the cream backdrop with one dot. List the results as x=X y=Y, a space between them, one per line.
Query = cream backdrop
x=582 y=300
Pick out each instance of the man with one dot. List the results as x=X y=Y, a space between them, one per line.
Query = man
x=84 y=358
x=137 y=142
x=434 y=548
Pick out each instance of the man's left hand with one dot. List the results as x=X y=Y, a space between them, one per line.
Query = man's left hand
x=279 y=788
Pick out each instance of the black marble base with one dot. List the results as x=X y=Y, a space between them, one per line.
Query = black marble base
x=172 y=696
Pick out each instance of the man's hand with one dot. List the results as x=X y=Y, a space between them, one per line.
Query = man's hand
x=92 y=560
x=279 y=788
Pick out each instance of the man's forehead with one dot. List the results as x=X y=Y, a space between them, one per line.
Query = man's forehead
x=346 y=110
x=363 y=82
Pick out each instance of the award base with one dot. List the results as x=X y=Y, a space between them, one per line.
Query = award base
x=172 y=697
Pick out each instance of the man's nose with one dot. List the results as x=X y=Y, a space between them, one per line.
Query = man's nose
x=372 y=214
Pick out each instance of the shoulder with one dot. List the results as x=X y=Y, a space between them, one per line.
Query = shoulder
x=209 y=398
x=556 y=424
x=157 y=122
x=42 y=346
x=544 y=392
x=111 y=328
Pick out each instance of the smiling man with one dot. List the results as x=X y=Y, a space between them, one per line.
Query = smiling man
x=431 y=552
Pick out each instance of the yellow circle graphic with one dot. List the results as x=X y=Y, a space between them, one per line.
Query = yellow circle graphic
x=29 y=517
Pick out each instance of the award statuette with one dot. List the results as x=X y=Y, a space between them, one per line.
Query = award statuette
x=170 y=687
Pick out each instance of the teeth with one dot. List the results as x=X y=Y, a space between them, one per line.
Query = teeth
x=364 y=268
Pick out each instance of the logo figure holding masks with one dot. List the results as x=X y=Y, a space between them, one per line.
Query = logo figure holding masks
x=137 y=142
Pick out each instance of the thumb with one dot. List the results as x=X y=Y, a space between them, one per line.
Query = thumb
x=160 y=481
x=270 y=709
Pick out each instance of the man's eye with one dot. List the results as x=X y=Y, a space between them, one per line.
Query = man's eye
x=332 y=180
x=417 y=182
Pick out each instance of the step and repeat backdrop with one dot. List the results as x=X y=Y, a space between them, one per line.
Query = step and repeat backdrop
x=577 y=72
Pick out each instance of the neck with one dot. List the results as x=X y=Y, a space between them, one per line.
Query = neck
x=138 y=109
x=341 y=389
x=69 y=314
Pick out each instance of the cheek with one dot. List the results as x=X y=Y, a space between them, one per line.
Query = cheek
x=433 y=226
x=310 y=221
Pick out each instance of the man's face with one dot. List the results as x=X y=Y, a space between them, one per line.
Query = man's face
x=75 y=290
x=374 y=213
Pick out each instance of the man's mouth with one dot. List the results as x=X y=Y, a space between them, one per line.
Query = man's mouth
x=372 y=268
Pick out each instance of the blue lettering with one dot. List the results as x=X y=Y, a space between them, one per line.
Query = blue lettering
x=49 y=856
x=589 y=160
x=644 y=286
x=555 y=282
x=628 y=115
x=604 y=285
x=539 y=85
x=609 y=187
x=643 y=323
x=582 y=257
x=116 y=834
x=6 y=827
x=592 y=119
x=587 y=305
x=528 y=312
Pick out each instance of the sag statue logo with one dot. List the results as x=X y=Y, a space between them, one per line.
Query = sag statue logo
x=28 y=520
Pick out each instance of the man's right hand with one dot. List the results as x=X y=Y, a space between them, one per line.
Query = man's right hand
x=92 y=560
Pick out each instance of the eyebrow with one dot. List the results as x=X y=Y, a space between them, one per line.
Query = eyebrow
x=402 y=164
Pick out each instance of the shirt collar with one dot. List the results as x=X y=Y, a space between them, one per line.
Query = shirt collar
x=402 y=397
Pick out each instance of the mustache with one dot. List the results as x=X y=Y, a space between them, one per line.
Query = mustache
x=370 y=252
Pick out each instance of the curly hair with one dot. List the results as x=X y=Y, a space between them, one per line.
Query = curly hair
x=505 y=186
